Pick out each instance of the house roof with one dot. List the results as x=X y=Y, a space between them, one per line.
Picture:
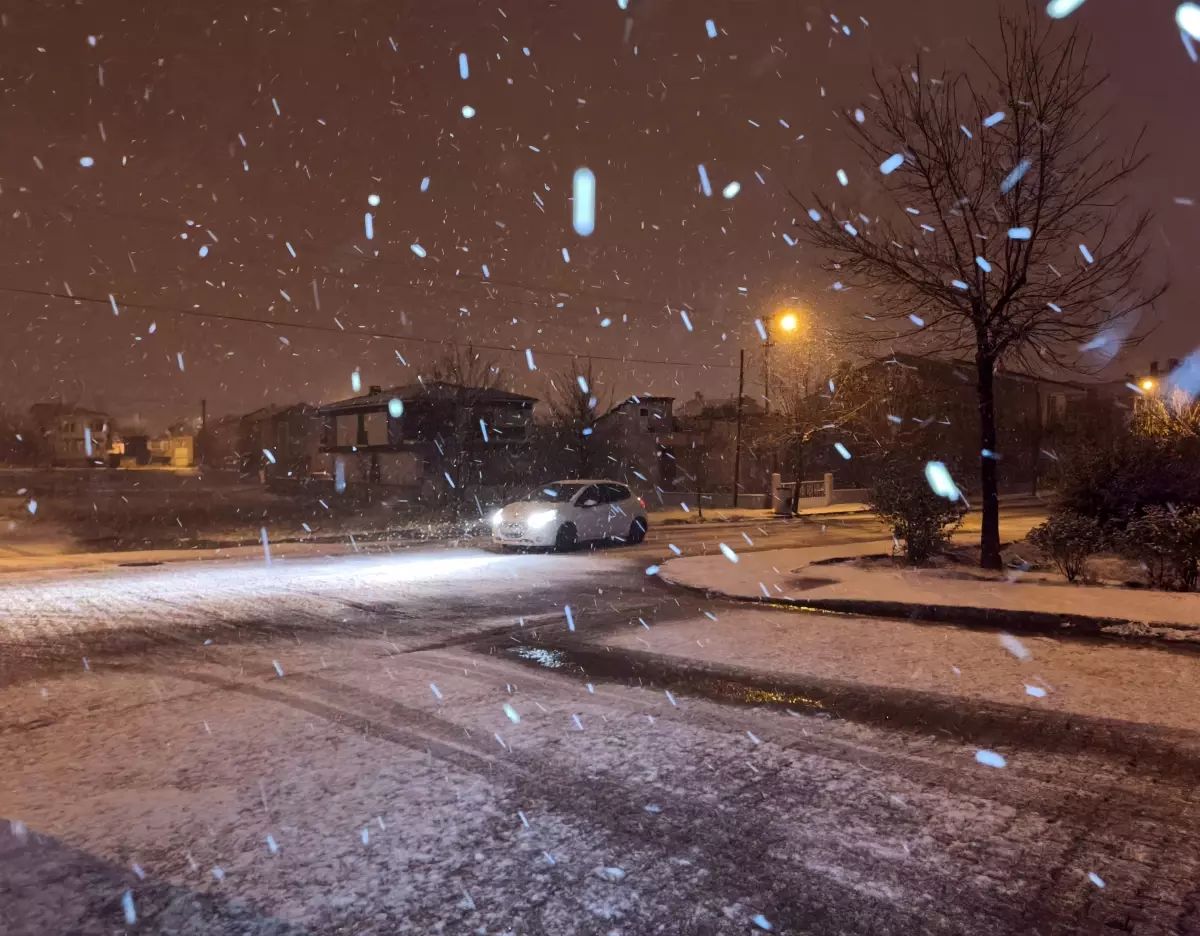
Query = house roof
x=433 y=390
x=914 y=360
x=48 y=410
x=636 y=401
x=277 y=409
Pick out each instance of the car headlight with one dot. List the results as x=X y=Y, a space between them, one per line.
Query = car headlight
x=541 y=519
x=497 y=516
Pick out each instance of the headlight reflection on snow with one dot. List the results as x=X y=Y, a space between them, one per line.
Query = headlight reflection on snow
x=551 y=659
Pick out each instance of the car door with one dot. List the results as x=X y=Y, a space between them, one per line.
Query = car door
x=617 y=519
x=590 y=521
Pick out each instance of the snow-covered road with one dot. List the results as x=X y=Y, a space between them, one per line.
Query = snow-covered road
x=370 y=791
x=327 y=748
x=403 y=593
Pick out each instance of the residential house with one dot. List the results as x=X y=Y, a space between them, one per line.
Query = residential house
x=635 y=442
x=71 y=435
x=280 y=441
x=176 y=449
x=436 y=438
x=1035 y=415
x=707 y=442
x=219 y=444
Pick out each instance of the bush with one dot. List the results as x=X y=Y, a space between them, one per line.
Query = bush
x=1118 y=483
x=1068 y=539
x=901 y=497
x=1167 y=541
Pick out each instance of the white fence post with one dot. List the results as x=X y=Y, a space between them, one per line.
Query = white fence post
x=828 y=489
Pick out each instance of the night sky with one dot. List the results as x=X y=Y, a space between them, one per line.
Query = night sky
x=369 y=101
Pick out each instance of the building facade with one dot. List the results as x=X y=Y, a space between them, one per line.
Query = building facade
x=635 y=442
x=437 y=439
x=71 y=435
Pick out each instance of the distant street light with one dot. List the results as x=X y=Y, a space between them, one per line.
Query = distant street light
x=1147 y=384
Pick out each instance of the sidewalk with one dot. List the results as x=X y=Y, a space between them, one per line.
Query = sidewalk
x=789 y=575
x=676 y=516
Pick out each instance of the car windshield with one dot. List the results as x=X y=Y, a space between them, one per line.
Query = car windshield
x=558 y=493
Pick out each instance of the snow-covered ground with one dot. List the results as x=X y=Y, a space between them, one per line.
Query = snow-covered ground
x=306 y=749
x=1140 y=684
x=371 y=791
x=193 y=595
x=791 y=573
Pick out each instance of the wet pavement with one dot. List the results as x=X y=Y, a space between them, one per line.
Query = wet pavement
x=372 y=745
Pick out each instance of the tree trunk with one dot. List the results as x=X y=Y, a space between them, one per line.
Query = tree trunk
x=1038 y=431
x=989 y=539
x=799 y=474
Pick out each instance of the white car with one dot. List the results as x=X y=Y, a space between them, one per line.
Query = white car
x=565 y=513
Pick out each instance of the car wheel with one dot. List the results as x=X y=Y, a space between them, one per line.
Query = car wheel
x=637 y=532
x=567 y=538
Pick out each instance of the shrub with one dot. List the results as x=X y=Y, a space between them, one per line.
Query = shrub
x=1068 y=539
x=1117 y=483
x=1167 y=541
x=901 y=496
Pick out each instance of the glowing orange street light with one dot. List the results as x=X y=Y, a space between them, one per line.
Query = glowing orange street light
x=786 y=322
x=1147 y=384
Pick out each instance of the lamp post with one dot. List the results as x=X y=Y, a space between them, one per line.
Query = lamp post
x=737 y=443
x=788 y=322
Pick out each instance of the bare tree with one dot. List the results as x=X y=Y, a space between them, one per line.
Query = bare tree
x=465 y=367
x=695 y=458
x=575 y=404
x=812 y=393
x=1005 y=238
x=466 y=376
x=1170 y=412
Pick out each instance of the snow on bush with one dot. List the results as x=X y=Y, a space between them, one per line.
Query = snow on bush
x=903 y=498
x=1167 y=542
x=1068 y=539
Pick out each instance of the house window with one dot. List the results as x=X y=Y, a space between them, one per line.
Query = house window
x=347 y=430
x=376 y=426
x=645 y=413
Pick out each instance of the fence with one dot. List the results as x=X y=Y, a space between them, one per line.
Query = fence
x=816 y=493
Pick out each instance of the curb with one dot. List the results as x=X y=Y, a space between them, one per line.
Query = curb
x=1158 y=633
x=980 y=723
x=363 y=538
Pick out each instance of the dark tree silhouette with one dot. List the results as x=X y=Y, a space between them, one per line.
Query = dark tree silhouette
x=467 y=376
x=575 y=403
x=1002 y=233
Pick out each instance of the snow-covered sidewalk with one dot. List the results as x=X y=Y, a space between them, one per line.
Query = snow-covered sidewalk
x=791 y=574
x=676 y=515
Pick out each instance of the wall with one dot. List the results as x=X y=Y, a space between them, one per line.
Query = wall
x=624 y=441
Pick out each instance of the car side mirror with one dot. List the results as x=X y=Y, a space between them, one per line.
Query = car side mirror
x=589 y=503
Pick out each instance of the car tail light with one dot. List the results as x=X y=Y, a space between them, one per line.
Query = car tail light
x=642 y=501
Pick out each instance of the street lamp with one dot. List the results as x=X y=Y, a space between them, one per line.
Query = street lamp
x=789 y=322
x=1147 y=384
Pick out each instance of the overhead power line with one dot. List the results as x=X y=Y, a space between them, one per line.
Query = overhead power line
x=107 y=302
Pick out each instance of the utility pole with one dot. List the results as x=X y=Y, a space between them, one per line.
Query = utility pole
x=767 y=392
x=767 y=368
x=203 y=435
x=737 y=445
